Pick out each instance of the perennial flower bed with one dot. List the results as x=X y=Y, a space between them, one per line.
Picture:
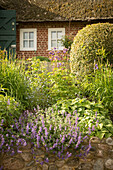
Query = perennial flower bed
x=53 y=109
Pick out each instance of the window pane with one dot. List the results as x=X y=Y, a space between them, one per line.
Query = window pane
x=59 y=34
x=25 y=35
x=25 y=43
x=53 y=43
x=53 y=35
x=59 y=44
x=31 y=43
x=31 y=35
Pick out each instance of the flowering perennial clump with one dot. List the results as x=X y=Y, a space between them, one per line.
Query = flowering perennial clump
x=56 y=55
x=56 y=133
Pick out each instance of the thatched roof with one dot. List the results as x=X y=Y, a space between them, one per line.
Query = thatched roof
x=26 y=11
x=60 y=10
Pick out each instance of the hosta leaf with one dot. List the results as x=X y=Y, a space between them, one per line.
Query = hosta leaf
x=107 y=135
x=100 y=125
x=100 y=134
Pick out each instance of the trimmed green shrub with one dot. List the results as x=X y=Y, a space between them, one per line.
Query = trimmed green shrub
x=92 y=42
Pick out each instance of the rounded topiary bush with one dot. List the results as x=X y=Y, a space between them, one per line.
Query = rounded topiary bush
x=91 y=42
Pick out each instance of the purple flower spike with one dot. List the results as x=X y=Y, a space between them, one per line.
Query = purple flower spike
x=47 y=160
x=1 y=167
x=8 y=102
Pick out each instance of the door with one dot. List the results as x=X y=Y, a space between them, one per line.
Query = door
x=8 y=30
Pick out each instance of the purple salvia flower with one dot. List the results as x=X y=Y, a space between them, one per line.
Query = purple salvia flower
x=55 y=128
x=42 y=163
x=19 y=151
x=20 y=120
x=47 y=160
x=69 y=155
x=40 y=130
x=55 y=144
x=12 y=126
x=59 y=154
x=89 y=130
x=42 y=139
x=17 y=125
x=27 y=128
x=93 y=128
x=71 y=140
x=33 y=131
x=1 y=167
x=2 y=141
x=2 y=121
x=96 y=66
x=60 y=127
x=46 y=133
x=22 y=131
x=85 y=137
x=63 y=139
x=43 y=125
x=57 y=140
x=8 y=102
x=50 y=127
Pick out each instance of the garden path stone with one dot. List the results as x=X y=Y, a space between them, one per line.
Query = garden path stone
x=59 y=163
x=66 y=168
x=26 y=156
x=13 y=164
x=30 y=163
x=109 y=141
x=109 y=164
x=111 y=154
x=98 y=165
x=85 y=166
x=73 y=162
x=45 y=167
x=53 y=167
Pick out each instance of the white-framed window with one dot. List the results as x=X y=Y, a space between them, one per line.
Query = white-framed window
x=54 y=38
x=28 y=39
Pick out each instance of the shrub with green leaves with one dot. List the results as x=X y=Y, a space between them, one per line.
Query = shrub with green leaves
x=86 y=112
x=86 y=46
x=67 y=40
x=41 y=58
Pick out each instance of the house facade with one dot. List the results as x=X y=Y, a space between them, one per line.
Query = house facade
x=40 y=27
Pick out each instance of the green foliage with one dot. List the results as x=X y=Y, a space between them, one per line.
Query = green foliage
x=99 y=85
x=12 y=77
x=39 y=82
x=41 y=58
x=9 y=109
x=49 y=86
x=87 y=45
x=34 y=82
x=63 y=86
x=67 y=41
x=86 y=111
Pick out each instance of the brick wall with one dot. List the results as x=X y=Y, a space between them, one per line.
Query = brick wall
x=42 y=34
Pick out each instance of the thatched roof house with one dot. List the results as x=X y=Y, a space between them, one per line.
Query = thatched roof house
x=51 y=17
